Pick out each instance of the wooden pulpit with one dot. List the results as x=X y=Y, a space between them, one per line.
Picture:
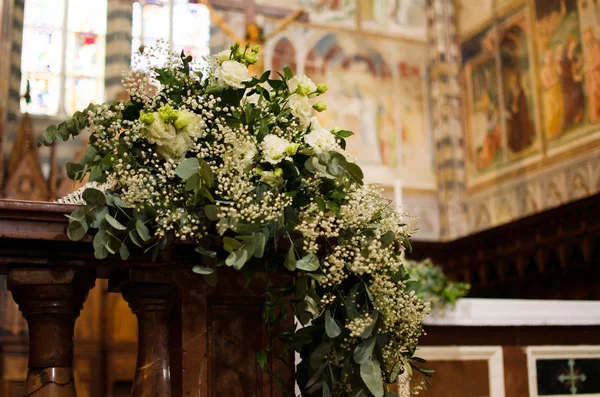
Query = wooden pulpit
x=193 y=339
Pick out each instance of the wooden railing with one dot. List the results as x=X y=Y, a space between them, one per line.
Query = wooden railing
x=193 y=339
x=554 y=254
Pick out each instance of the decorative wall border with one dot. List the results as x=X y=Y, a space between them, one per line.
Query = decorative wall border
x=493 y=355
x=556 y=352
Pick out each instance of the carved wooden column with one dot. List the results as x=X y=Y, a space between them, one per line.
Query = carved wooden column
x=50 y=301
x=150 y=296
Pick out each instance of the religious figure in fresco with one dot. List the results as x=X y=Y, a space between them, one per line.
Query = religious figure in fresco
x=592 y=74
x=552 y=101
x=520 y=127
x=569 y=68
x=486 y=153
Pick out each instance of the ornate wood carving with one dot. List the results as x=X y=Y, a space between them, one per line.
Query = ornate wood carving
x=25 y=180
x=50 y=301
x=549 y=255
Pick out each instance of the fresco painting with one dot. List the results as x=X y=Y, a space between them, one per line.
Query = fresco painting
x=372 y=97
x=568 y=47
x=517 y=85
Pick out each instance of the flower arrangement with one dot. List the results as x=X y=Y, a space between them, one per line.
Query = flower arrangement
x=239 y=166
x=433 y=286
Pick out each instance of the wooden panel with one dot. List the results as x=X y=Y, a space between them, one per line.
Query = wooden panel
x=515 y=371
x=458 y=379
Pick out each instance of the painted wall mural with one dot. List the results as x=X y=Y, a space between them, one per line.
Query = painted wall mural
x=532 y=86
x=500 y=97
x=532 y=107
x=376 y=89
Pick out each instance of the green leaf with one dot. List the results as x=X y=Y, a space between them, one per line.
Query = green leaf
x=203 y=270
x=115 y=223
x=133 y=236
x=358 y=393
x=101 y=253
x=142 y=230
x=331 y=328
x=290 y=259
x=326 y=391
x=192 y=182
x=76 y=230
x=309 y=263
x=387 y=239
x=238 y=258
x=355 y=172
x=343 y=133
x=94 y=197
x=205 y=252
x=370 y=373
x=187 y=168
x=287 y=72
x=363 y=351
x=212 y=212
x=260 y=242
x=124 y=252
x=261 y=357
x=231 y=244
x=317 y=358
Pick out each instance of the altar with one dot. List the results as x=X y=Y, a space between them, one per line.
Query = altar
x=514 y=348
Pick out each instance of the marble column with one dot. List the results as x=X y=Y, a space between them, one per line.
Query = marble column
x=118 y=47
x=446 y=117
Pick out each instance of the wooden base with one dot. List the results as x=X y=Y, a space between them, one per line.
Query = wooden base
x=50 y=301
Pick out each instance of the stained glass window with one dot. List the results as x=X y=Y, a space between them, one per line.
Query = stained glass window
x=63 y=54
x=185 y=26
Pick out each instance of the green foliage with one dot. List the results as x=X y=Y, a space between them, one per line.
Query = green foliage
x=431 y=284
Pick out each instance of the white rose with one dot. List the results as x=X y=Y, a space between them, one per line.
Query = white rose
x=303 y=81
x=190 y=123
x=274 y=148
x=232 y=74
x=301 y=108
x=159 y=132
x=176 y=148
x=320 y=139
x=223 y=56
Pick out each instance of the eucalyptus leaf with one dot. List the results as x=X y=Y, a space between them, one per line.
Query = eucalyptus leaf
x=290 y=259
x=115 y=223
x=205 y=252
x=363 y=351
x=212 y=212
x=142 y=230
x=94 y=197
x=211 y=279
x=370 y=373
x=261 y=357
x=309 y=263
x=259 y=241
x=319 y=355
x=187 y=168
x=231 y=244
x=326 y=391
x=124 y=252
x=331 y=328
x=133 y=236
x=76 y=230
x=203 y=270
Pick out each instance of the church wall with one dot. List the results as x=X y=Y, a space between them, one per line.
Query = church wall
x=531 y=91
x=373 y=57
